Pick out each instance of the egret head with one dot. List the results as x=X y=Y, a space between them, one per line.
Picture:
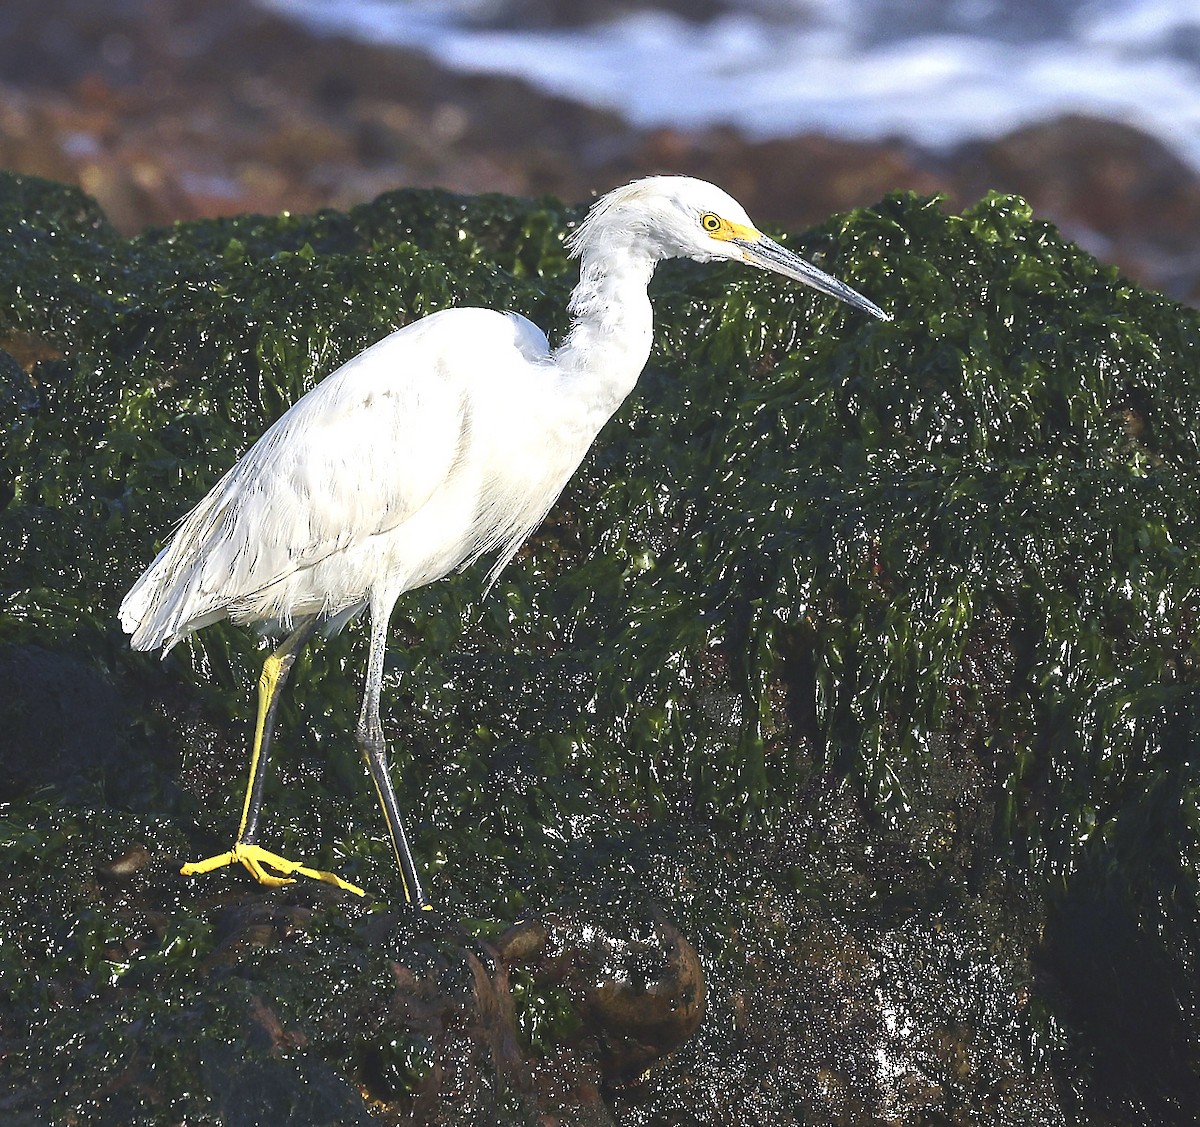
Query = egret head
x=681 y=217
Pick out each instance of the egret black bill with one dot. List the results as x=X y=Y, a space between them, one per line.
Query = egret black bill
x=769 y=255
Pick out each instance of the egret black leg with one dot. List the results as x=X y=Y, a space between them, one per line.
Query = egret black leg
x=274 y=676
x=374 y=750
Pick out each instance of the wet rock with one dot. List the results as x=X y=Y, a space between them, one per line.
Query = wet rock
x=648 y=997
x=639 y=985
x=864 y=650
x=61 y=721
x=133 y=860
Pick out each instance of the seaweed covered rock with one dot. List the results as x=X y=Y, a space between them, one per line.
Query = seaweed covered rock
x=858 y=660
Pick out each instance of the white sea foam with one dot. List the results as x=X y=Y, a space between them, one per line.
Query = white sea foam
x=849 y=69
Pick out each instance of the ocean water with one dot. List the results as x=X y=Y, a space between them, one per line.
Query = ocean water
x=932 y=72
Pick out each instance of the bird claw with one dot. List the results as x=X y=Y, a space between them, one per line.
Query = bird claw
x=254 y=858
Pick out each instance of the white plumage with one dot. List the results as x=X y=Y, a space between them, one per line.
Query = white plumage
x=377 y=476
x=445 y=442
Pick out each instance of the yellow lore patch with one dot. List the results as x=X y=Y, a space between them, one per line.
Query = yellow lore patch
x=723 y=229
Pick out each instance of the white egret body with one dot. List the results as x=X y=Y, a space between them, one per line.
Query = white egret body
x=445 y=442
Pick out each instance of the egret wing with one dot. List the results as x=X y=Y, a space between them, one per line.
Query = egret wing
x=356 y=456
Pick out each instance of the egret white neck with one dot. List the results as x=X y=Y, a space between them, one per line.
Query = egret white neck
x=611 y=331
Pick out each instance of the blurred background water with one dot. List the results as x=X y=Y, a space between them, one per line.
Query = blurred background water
x=933 y=72
x=178 y=109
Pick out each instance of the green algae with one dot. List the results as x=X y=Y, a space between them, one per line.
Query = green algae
x=826 y=589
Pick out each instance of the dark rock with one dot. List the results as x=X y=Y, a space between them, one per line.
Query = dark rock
x=1121 y=194
x=60 y=721
x=863 y=650
x=639 y=983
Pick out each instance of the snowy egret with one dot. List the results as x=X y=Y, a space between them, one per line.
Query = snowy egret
x=445 y=442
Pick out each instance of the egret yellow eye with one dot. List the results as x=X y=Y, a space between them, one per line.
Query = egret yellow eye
x=711 y=222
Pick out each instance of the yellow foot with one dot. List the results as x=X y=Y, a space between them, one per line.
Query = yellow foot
x=255 y=858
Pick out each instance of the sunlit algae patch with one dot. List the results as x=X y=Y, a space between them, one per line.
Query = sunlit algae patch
x=863 y=652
